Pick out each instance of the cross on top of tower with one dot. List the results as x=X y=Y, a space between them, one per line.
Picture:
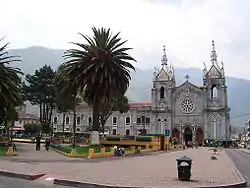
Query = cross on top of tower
x=213 y=54
x=187 y=77
x=164 y=59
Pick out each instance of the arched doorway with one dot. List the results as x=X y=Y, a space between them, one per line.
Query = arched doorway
x=175 y=134
x=199 y=136
x=187 y=135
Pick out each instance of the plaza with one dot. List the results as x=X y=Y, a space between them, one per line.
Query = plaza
x=154 y=170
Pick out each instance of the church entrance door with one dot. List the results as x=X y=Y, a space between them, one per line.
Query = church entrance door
x=187 y=135
x=199 y=136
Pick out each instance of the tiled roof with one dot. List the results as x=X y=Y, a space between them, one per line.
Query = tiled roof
x=139 y=104
x=132 y=105
x=28 y=116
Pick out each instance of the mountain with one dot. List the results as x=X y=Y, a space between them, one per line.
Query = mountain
x=140 y=88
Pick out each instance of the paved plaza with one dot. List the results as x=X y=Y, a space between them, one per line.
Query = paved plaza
x=158 y=170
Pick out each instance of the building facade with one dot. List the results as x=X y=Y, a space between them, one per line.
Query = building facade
x=24 y=118
x=187 y=112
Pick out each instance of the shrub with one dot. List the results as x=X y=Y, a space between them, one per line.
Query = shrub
x=111 y=138
x=143 y=139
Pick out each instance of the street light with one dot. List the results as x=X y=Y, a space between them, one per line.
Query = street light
x=134 y=128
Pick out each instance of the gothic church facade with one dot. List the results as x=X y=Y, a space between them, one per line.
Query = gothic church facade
x=191 y=112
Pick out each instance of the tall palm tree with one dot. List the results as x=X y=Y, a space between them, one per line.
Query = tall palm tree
x=10 y=84
x=100 y=67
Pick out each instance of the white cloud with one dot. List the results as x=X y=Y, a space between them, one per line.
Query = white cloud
x=186 y=27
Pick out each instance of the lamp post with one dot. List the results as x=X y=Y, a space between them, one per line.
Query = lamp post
x=133 y=128
x=181 y=137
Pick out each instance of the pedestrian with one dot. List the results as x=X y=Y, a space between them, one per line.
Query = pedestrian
x=38 y=142
x=47 y=143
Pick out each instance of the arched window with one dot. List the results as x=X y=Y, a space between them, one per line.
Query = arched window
x=78 y=120
x=90 y=120
x=114 y=120
x=67 y=120
x=127 y=121
x=55 y=120
x=127 y=132
x=214 y=92
x=162 y=92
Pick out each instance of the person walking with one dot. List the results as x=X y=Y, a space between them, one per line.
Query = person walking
x=47 y=143
x=38 y=143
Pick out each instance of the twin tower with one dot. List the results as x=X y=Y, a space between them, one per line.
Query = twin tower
x=188 y=111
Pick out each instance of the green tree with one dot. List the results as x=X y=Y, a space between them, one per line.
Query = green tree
x=11 y=116
x=63 y=105
x=32 y=128
x=10 y=85
x=116 y=104
x=100 y=68
x=67 y=99
x=40 y=91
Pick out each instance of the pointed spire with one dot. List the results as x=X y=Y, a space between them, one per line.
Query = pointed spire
x=205 y=66
x=164 y=60
x=213 y=54
x=222 y=65
x=222 y=69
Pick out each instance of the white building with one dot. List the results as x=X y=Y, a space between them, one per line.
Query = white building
x=187 y=112
x=24 y=118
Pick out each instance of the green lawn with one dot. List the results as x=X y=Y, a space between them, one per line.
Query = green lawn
x=82 y=151
x=3 y=150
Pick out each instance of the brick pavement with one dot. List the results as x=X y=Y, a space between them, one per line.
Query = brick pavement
x=152 y=170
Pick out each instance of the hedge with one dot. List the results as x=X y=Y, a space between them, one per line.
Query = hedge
x=113 y=138
x=143 y=139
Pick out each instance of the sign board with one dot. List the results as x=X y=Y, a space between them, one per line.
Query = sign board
x=95 y=138
x=167 y=132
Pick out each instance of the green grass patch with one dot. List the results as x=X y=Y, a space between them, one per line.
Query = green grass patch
x=80 y=150
x=3 y=150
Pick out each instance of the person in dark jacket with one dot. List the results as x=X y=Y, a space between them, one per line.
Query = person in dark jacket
x=47 y=143
x=38 y=143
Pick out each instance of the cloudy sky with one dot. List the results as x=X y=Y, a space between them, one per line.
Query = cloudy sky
x=186 y=27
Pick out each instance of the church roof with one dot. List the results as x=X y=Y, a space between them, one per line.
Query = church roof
x=162 y=75
x=214 y=72
x=190 y=84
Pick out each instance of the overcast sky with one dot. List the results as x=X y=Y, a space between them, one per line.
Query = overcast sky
x=186 y=27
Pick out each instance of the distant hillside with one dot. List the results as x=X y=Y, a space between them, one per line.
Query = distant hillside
x=140 y=88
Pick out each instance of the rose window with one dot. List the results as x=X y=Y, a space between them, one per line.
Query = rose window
x=187 y=106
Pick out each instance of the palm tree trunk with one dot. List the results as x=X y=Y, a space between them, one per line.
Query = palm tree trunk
x=95 y=126
x=63 y=125
x=74 y=123
x=6 y=127
x=11 y=133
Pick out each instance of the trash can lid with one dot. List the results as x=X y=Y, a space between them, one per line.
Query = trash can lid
x=184 y=158
x=184 y=164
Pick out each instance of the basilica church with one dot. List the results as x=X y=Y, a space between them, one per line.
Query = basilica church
x=191 y=112
x=187 y=112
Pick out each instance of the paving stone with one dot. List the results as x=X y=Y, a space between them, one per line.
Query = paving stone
x=146 y=171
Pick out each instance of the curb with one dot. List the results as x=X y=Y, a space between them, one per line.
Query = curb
x=241 y=184
x=71 y=183
x=85 y=184
x=21 y=176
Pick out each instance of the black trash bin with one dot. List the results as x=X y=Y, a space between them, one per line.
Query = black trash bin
x=184 y=165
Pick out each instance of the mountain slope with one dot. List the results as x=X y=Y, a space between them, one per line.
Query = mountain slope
x=140 y=88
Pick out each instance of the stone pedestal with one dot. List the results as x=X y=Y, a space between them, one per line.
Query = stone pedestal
x=73 y=152
x=95 y=140
x=10 y=152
